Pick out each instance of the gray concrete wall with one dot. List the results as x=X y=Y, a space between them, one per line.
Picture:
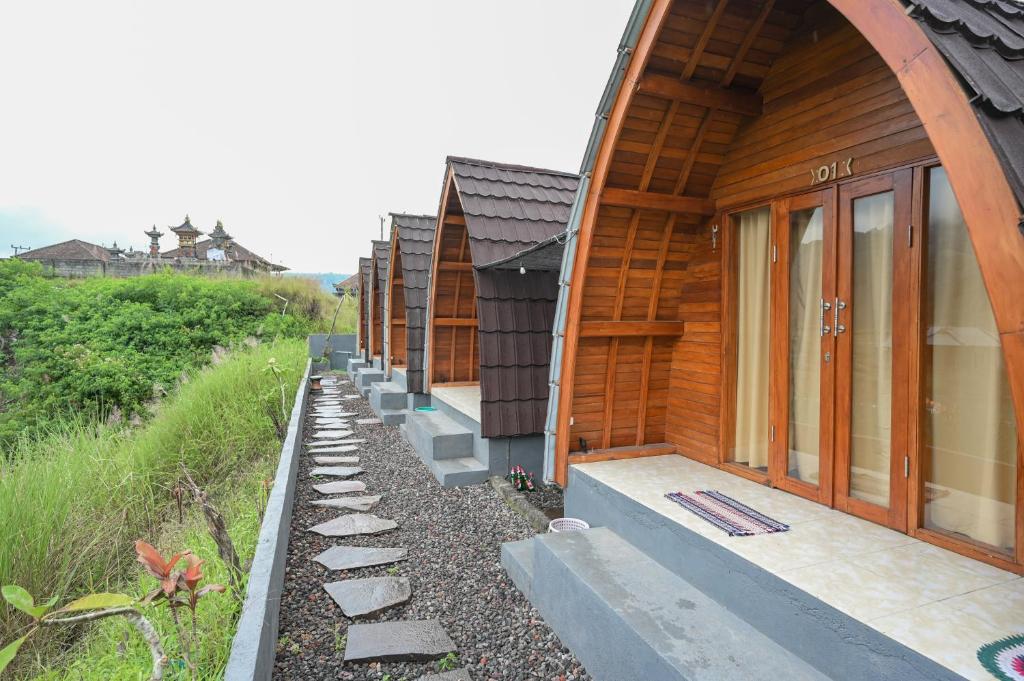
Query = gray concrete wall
x=345 y=342
x=833 y=642
x=253 y=648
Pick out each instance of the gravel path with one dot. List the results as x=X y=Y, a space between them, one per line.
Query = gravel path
x=453 y=537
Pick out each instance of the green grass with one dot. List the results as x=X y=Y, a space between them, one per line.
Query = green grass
x=73 y=503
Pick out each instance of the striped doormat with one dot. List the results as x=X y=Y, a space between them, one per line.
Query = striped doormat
x=727 y=514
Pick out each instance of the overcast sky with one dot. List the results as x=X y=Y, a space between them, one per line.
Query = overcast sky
x=295 y=123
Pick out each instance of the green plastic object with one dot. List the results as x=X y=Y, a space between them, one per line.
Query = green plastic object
x=426 y=408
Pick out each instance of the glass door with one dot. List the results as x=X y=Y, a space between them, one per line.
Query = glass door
x=803 y=346
x=871 y=331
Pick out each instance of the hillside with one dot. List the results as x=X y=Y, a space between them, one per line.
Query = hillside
x=327 y=279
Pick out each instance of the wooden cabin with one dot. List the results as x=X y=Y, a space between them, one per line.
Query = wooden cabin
x=363 y=334
x=490 y=316
x=377 y=300
x=800 y=260
x=412 y=244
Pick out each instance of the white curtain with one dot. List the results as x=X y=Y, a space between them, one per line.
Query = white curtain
x=969 y=430
x=870 y=322
x=753 y=234
x=805 y=272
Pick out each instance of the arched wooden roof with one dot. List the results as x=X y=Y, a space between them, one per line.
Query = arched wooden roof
x=701 y=115
x=412 y=244
x=490 y=213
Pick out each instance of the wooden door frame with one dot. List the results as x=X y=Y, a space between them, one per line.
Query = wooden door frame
x=779 y=380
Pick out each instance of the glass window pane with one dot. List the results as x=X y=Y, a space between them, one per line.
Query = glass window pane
x=805 y=262
x=969 y=432
x=871 y=329
x=753 y=235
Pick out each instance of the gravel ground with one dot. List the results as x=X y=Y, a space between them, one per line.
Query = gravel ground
x=547 y=498
x=453 y=537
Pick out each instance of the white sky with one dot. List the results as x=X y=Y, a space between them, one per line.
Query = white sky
x=296 y=123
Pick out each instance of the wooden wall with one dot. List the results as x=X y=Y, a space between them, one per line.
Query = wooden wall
x=786 y=87
x=397 y=347
x=454 y=351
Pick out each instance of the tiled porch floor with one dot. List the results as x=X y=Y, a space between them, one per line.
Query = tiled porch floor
x=465 y=398
x=939 y=603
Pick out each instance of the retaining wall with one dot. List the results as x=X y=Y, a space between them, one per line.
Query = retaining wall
x=253 y=648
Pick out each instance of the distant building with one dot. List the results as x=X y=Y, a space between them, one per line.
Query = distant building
x=219 y=254
x=349 y=287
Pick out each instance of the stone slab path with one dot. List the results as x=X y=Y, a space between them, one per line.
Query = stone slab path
x=367 y=597
x=442 y=543
x=349 y=503
x=349 y=557
x=333 y=460
x=340 y=487
x=389 y=641
x=353 y=524
x=336 y=471
x=331 y=434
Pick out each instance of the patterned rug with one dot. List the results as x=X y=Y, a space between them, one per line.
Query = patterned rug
x=727 y=514
x=1004 y=658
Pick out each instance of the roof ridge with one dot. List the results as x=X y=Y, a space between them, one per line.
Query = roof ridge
x=508 y=166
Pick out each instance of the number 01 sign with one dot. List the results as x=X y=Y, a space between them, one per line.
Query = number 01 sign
x=832 y=171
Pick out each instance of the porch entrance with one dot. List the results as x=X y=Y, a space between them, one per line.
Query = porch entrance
x=854 y=330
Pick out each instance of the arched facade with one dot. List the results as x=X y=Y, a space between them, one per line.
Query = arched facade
x=753 y=143
x=378 y=299
x=412 y=243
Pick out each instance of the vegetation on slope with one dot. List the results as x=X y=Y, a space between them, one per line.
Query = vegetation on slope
x=104 y=346
x=73 y=503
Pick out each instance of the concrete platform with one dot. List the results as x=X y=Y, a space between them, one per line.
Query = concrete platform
x=445 y=447
x=812 y=590
x=643 y=621
x=354 y=364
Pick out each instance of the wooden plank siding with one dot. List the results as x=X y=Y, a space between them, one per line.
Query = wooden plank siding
x=397 y=346
x=823 y=95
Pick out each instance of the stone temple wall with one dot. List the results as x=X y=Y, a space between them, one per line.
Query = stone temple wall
x=136 y=268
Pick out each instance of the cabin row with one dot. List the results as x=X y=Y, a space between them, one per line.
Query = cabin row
x=791 y=267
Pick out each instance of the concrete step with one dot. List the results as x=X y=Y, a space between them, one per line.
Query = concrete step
x=671 y=630
x=517 y=559
x=393 y=417
x=436 y=436
x=354 y=364
x=464 y=470
x=387 y=395
x=367 y=376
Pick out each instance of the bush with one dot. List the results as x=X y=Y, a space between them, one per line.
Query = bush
x=96 y=345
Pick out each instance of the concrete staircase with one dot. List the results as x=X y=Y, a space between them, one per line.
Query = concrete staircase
x=642 y=621
x=365 y=377
x=445 y=447
x=389 y=402
x=354 y=364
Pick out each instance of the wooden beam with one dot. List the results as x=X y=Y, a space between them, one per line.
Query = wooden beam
x=617 y=453
x=736 y=101
x=454 y=219
x=748 y=42
x=698 y=50
x=455 y=321
x=655 y=201
x=446 y=266
x=659 y=143
x=691 y=157
x=602 y=329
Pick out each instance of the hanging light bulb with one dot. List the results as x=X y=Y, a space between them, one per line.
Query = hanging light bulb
x=522 y=269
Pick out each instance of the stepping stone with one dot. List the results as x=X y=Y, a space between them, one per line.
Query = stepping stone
x=331 y=433
x=351 y=557
x=325 y=443
x=348 y=503
x=457 y=675
x=340 y=487
x=419 y=640
x=361 y=597
x=336 y=471
x=367 y=422
x=335 y=460
x=336 y=424
x=349 y=397
x=336 y=450
x=353 y=524
x=336 y=416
